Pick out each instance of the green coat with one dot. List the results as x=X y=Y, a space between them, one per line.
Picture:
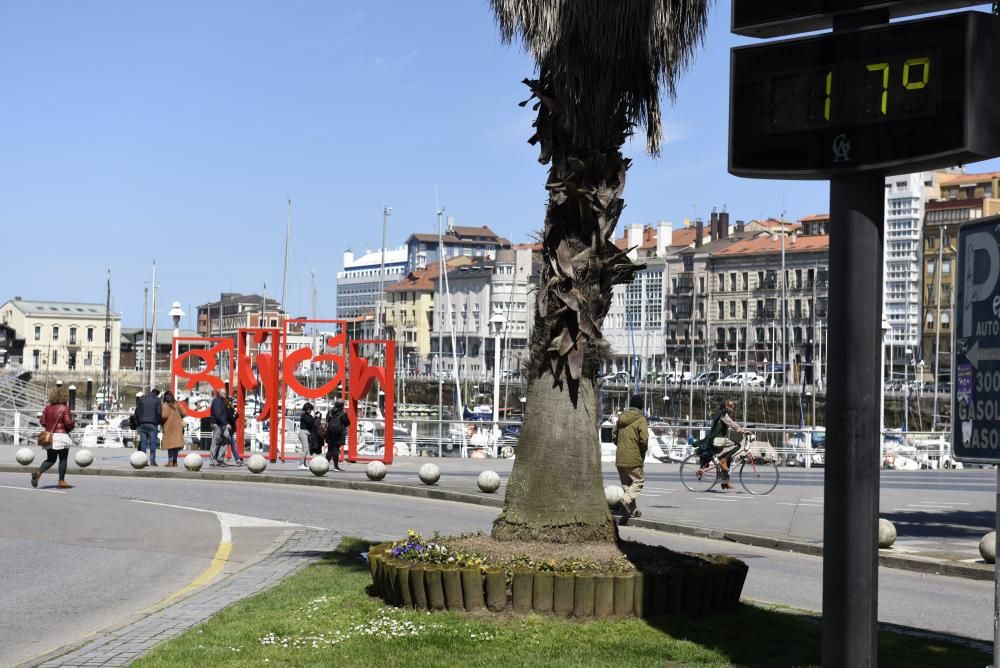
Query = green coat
x=631 y=435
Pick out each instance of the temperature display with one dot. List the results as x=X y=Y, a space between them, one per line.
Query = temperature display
x=898 y=97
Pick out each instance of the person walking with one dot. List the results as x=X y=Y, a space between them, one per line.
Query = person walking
x=220 y=427
x=631 y=436
x=337 y=422
x=307 y=425
x=149 y=416
x=57 y=419
x=232 y=416
x=173 y=427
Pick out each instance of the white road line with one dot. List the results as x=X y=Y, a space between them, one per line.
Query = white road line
x=810 y=505
x=229 y=520
x=710 y=498
x=935 y=503
x=32 y=489
x=929 y=505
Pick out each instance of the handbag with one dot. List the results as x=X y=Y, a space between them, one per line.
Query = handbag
x=45 y=436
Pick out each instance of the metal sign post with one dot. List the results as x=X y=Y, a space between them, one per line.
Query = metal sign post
x=976 y=363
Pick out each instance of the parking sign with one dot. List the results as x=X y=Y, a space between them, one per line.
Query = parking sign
x=976 y=353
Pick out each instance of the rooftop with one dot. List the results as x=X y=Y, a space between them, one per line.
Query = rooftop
x=374 y=257
x=967 y=179
x=422 y=280
x=765 y=244
x=80 y=309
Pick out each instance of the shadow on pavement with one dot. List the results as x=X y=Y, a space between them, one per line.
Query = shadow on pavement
x=951 y=524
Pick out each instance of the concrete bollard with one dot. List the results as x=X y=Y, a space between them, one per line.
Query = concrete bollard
x=886 y=534
x=988 y=547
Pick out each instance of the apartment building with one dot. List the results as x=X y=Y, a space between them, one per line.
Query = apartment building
x=361 y=282
x=475 y=242
x=57 y=336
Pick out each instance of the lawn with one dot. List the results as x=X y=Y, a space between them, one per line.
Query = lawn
x=324 y=616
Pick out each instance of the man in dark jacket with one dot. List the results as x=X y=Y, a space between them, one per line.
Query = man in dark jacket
x=631 y=436
x=719 y=440
x=220 y=427
x=337 y=423
x=148 y=414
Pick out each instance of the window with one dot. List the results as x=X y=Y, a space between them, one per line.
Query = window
x=722 y=282
x=90 y=334
x=746 y=280
x=55 y=332
x=35 y=359
x=38 y=335
x=55 y=357
x=722 y=310
x=72 y=336
x=732 y=281
x=945 y=267
x=732 y=309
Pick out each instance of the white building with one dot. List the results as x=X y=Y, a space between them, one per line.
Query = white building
x=361 y=282
x=62 y=336
x=905 y=195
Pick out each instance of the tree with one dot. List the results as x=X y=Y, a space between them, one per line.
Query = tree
x=601 y=67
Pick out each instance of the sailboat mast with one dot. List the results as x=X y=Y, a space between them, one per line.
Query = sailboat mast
x=107 y=345
x=284 y=273
x=937 y=328
x=152 y=353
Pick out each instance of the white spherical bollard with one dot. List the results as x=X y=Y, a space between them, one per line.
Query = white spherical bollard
x=429 y=474
x=988 y=547
x=375 y=470
x=886 y=534
x=319 y=465
x=83 y=458
x=25 y=456
x=257 y=464
x=193 y=462
x=138 y=460
x=613 y=494
x=489 y=481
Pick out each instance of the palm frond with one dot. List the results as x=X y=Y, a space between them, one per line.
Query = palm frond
x=607 y=57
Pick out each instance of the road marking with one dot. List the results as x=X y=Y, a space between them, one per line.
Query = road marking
x=33 y=489
x=711 y=498
x=214 y=568
x=929 y=505
x=810 y=505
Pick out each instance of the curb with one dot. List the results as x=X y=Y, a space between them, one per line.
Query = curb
x=887 y=560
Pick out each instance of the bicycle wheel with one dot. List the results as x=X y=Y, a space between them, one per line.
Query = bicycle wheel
x=696 y=477
x=758 y=476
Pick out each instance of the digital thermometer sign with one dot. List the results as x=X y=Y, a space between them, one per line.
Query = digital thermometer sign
x=776 y=18
x=901 y=96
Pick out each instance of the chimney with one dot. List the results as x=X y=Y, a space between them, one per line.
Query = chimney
x=664 y=237
x=714 y=225
x=740 y=226
x=633 y=237
x=724 y=225
x=699 y=232
x=451 y=224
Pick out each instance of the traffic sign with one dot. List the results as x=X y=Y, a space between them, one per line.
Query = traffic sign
x=891 y=98
x=976 y=351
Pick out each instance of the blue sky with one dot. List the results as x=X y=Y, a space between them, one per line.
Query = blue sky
x=176 y=130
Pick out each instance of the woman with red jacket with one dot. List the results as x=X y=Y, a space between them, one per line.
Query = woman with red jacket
x=58 y=420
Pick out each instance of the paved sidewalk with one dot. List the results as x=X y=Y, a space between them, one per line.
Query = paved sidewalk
x=940 y=516
x=128 y=643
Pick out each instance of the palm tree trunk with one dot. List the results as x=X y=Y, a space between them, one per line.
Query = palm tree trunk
x=555 y=492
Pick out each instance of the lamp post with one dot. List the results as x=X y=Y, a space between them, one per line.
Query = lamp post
x=678 y=372
x=176 y=314
x=497 y=321
x=906 y=392
x=886 y=328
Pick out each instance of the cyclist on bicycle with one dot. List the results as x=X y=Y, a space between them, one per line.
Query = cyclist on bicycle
x=718 y=439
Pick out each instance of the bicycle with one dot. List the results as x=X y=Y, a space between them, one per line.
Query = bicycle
x=757 y=475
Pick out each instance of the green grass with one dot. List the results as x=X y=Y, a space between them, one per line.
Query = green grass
x=323 y=616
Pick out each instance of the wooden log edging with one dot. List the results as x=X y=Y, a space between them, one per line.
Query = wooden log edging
x=713 y=585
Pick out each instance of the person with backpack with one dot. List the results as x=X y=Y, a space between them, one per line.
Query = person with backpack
x=631 y=437
x=149 y=416
x=337 y=423
x=717 y=440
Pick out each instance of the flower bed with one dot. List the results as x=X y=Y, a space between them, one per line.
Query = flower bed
x=430 y=575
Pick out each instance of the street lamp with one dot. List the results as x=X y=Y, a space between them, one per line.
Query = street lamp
x=677 y=376
x=906 y=393
x=497 y=321
x=176 y=313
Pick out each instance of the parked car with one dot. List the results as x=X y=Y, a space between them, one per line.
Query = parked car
x=743 y=378
x=707 y=378
x=616 y=378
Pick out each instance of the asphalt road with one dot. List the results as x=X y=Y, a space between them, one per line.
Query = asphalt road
x=80 y=560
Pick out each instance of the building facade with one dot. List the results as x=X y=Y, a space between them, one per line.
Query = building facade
x=63 y=336
x=963 y=197
x=361 y=283
x=475 y=242
x=234 y=311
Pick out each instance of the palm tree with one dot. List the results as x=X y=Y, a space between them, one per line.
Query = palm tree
x=601 y=65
